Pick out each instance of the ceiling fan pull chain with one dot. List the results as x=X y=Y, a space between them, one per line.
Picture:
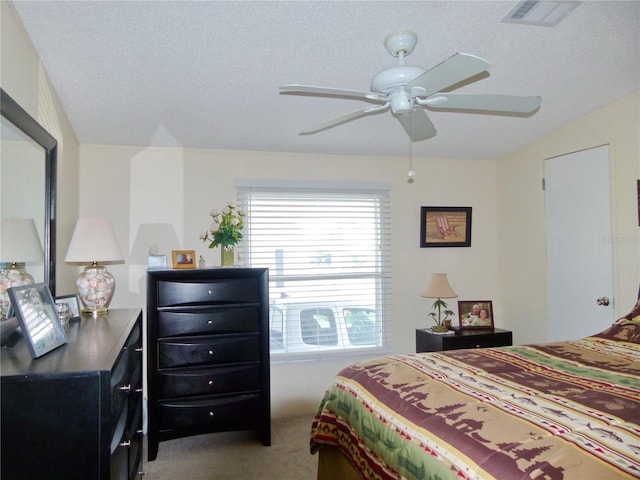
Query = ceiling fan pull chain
x=411 y=173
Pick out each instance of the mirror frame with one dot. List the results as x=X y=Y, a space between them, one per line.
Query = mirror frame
x=30 y=127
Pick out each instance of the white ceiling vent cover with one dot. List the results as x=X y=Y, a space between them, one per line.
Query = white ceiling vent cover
x=540 y=13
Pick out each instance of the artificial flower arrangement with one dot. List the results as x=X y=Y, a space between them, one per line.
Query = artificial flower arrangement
x=226 y=228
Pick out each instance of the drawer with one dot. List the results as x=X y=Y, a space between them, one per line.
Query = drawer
x=478 y=341
x=208 y=350
x=219 y=320
x=237 y=412
x=126 y=452
x=126 y=388
x=224 y=290
x=209 y=381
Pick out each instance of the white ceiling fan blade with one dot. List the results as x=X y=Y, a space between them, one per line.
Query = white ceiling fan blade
x=344 y=118
x=331 y=92
x=417 y=125
x=486 y=103
x=455 y=69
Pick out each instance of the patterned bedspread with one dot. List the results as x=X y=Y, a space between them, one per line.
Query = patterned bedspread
x=567 y=410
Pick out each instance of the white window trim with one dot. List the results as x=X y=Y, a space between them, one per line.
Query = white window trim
x=384 y=190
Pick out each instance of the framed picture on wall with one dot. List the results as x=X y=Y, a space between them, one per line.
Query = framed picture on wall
x=184 y=258
x=445 y=227
x=475 y=314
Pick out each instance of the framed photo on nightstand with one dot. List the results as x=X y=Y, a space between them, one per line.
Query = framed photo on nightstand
x=475 y=314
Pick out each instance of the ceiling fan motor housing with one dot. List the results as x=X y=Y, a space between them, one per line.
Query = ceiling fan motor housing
x=393 y=77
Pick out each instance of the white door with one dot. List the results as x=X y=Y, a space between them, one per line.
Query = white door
x=579 y=247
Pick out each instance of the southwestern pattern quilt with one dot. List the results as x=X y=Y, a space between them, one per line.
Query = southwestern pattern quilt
x=566 y=410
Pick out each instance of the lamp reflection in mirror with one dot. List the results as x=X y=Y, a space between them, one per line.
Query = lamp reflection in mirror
x=439 y=288
x=94 y=241
x=19 y=244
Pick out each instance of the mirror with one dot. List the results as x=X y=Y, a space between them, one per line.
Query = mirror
x=28 y=160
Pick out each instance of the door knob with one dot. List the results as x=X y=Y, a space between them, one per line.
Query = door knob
x=603 y=301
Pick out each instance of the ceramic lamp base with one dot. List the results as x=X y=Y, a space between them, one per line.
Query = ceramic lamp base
x=12 y=276
x=96 y=287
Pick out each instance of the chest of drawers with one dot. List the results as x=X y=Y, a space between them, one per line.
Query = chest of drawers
x=207 y=353
x=76 y=412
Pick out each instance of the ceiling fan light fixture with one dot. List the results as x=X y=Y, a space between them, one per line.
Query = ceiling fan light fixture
x=401 y=103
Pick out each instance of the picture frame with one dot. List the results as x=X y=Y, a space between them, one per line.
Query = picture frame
x=475 y=315
x=183 y=258
x=445 y=227
x=36 y=313
x=74 y=304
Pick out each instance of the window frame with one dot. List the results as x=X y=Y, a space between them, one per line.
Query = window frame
x=380 y=195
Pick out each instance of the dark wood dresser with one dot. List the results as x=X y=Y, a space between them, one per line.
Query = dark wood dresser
x=76 y=412
x=207 y=353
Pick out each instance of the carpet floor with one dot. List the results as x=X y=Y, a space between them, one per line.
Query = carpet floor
x=238 y=455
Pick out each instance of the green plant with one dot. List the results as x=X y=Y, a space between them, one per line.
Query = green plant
x=440 y=304
x=226 y=228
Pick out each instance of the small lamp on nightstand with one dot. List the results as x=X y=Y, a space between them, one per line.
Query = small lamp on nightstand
x=94 y=241
x=439 y=288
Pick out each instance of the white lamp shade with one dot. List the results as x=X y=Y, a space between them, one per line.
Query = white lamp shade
x=439 y=287
x=94 y=240
x=19 y=241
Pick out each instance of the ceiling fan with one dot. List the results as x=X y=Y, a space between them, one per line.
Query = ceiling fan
x=405 y=89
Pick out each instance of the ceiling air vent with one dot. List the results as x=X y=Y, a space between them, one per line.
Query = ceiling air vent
x=540 y=13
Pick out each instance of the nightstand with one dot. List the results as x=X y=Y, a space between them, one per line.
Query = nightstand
x=427 y=341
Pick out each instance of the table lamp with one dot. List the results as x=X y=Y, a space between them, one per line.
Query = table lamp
x=19 y=244
x=94 y=241
x=439 y=288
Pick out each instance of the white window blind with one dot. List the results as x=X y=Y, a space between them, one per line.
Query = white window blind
x=327 y=249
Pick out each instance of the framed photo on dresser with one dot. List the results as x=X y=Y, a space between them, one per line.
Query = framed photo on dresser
x=184 y=258
x=37 y=317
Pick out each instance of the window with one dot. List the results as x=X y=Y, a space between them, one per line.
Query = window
x=327 y=249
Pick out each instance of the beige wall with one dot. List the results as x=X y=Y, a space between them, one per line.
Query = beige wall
x=23 y=77
x=179 y=187
x=521 y=214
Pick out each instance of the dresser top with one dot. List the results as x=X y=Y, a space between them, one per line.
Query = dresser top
x=93 y=344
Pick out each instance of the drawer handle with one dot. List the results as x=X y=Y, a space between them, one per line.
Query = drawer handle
x=211 y=414
x=125 y=388
x=210 y=292
x=139 y=349
x=139 y=390
x=126 y=444
x=210 y=382
x=210 y=322
x=210 y=352
x=477 y=346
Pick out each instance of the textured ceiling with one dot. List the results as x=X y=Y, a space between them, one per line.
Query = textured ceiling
x=206 y=74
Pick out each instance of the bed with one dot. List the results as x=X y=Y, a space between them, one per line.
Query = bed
x=565 y=410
